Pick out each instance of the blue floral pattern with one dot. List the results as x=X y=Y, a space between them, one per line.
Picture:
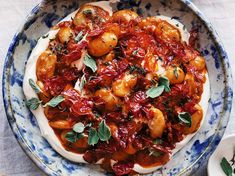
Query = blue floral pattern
x=47 y=14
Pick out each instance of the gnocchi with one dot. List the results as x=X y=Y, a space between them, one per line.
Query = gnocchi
x=124 y=16
x=118 y=87
x=175 y=75
x=123 y=86
x=157 y=124
x=103 y=44
x=60 y=124
x=196 y=121
x=65 y=34
x=111 y=101
x=45 y=65
x=199 y=63
x=166 y=31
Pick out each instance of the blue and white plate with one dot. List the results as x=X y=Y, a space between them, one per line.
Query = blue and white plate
x=49 y=13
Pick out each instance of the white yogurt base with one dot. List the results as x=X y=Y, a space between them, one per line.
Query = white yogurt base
x=48 y=133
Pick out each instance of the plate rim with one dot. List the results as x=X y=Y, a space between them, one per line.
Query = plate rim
x=7 y=103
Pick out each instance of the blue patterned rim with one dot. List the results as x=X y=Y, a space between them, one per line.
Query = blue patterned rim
x=211 y=144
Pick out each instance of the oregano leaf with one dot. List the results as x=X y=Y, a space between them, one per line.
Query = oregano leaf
x=82 y=82
x=104 y=131
x=33 y=103
x=93 y=137
x=55 y=101
x=185 y=118
x=165 y=82
x=34 y=86
x=78 y=127
x=226 y=167
x=90 y=62
x=155 y=91
x=78 y=38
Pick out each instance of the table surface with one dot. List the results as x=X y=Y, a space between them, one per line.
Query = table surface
x=13 y=161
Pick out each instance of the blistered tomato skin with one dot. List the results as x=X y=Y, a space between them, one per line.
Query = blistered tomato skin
x=124 y=80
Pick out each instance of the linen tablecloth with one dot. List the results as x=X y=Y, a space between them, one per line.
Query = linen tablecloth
x=13 y=161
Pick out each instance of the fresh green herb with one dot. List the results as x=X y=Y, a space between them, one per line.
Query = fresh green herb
x=104 y=131
x=90 y=62
x=135 y=52
x=87 y=12
x=185 y=118
x=176 y=72
x=154 y=153
x=93 y=137
x=97 y=115
x=33 y=103
x=34 y=86
x=78 y=127
x=138 y=69
x=184 y=27
x=165 y=82
x=82 y=83
x=157 y=141
x=89 y=125
x=226 y=167
x=72 y=136
x=78 y=38
x=45 y=36
x=55 y=101
x=155 y=91
x=130 y=117
x=132 y=68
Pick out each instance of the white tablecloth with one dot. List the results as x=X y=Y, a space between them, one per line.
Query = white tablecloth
x=13 y=161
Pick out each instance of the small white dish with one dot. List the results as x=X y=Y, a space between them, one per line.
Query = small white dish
x=225 y=149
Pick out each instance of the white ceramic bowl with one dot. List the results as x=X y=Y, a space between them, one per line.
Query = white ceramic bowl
x=225 y=149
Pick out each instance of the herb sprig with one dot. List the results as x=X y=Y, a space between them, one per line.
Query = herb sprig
x=103 y=134
x=185 y=118
x=34 y=102
x=226 y=166
x=156 y=91
x=134 y=68
x=90 y=62
x=82 y=83
x=77 y=133
x=54 y=101
x=34 y=86
x=79 y=37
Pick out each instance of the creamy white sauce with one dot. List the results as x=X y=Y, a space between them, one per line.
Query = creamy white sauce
x=48 y=133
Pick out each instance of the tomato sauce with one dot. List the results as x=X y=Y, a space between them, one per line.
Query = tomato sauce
x=116 y=91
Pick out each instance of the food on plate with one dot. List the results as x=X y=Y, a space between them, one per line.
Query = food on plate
x=117 y=89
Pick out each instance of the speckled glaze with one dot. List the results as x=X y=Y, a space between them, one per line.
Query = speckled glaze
x=47 y=14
